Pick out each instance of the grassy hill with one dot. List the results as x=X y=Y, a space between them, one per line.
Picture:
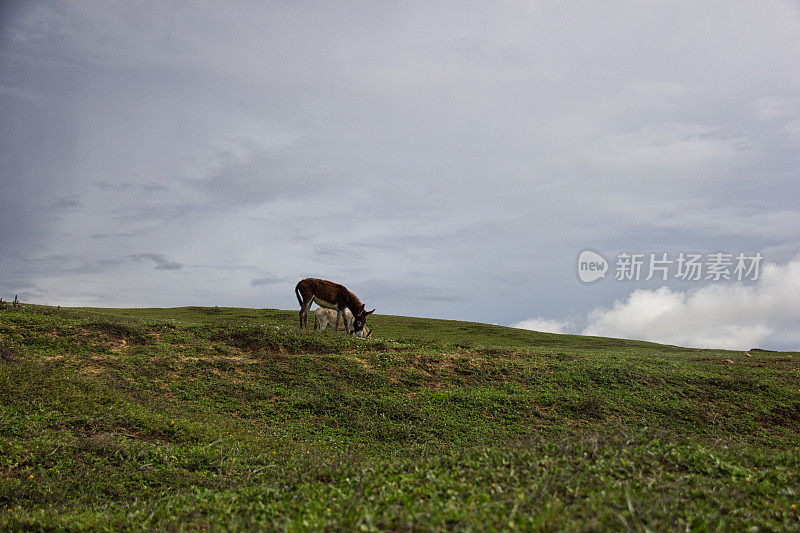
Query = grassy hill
x=221 y=418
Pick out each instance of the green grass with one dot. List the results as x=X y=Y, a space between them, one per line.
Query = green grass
x=222 y=418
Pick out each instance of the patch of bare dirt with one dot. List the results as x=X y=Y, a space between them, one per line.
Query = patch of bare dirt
x=91 y=370
x=113 y=343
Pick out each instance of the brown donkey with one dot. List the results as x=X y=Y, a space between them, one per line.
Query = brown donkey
x=333 y=296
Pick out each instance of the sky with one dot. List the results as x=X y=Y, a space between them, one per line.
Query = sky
x=440 y=159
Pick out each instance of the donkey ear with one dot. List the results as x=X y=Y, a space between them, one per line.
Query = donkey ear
x=369 y=313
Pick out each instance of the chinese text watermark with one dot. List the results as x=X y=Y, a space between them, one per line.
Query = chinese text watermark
x=684 y=266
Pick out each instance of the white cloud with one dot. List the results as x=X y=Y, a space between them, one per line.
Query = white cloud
x=738 y=317
x=546 y=325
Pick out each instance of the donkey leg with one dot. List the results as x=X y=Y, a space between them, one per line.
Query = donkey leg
x=304 y=314
x=339 y=315
x=348 y=325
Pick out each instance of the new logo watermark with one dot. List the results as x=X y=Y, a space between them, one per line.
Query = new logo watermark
x=684 y=266
x=591 y=266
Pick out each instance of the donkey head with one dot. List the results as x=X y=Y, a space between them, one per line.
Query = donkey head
x=365 y=333
x=360 y=319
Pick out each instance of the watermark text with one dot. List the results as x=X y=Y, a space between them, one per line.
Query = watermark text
x=684 y=266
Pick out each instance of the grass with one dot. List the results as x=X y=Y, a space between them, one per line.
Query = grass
x=222 y=418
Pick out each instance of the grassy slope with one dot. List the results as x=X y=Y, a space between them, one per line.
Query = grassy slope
x=218 y=417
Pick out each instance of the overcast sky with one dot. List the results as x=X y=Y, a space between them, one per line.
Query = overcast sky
x=440 y=159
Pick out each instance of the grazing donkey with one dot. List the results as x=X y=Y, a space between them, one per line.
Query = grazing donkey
x=327 y=317
x=333 y=296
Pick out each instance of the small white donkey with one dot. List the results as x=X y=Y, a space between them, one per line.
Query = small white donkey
x=324 y=317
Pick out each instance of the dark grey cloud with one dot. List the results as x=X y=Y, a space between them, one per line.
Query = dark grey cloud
x=119 y=235
x=126 y=186
x=161 y=262
x=67 y=202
